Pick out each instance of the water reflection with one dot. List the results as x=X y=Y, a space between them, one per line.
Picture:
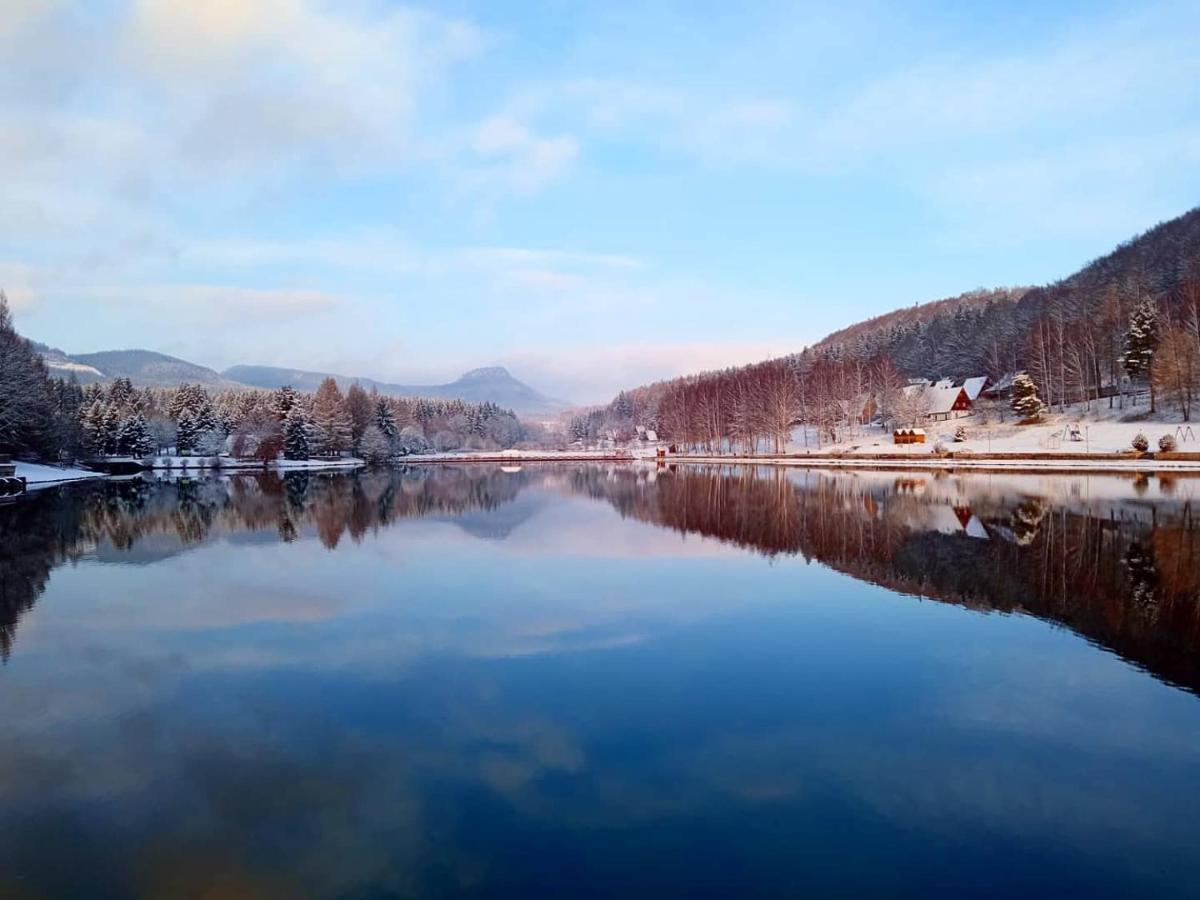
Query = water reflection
x=599 y=681
x=1090 y=553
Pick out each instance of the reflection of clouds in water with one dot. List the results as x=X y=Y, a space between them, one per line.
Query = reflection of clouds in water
x=283 y=790
x=324 y=722
x=1040 y=686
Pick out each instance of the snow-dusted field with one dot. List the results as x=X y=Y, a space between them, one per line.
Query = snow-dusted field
x=1100 y=432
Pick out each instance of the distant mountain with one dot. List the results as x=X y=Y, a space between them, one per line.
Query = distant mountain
x=146 y=368
x=63 y=366
x=494 y=383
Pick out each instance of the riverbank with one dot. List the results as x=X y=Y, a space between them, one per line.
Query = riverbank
x=516 y=457
x=1061 y=463
x=224 y=463
x=39 y=476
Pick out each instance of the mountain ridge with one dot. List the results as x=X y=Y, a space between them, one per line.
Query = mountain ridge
x=489 y=383
x=149 y=368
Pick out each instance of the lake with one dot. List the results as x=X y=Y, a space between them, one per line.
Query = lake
x=587 y=681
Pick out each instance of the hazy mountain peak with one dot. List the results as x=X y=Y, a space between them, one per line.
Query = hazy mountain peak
x=147 y=368
x=486 y=373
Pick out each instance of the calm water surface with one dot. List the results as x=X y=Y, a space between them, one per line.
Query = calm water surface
x=578 y=682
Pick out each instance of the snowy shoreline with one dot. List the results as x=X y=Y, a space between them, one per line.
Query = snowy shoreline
x=994 y=462
x=224 y=463
x=38 y=476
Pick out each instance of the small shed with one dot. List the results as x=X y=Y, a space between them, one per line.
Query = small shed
x=909 y=436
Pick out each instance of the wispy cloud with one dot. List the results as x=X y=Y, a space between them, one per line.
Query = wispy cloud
x=212 y=303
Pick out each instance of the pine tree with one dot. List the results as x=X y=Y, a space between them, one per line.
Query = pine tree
x=186 y=432
x=25 y=401
x=68 y=408
x=187 y=396
x=92 y=425
x=282 y=401
x=295 y=434
x=134 y=438
x=1025 y=400
x=384 y=420
x=206 y=417
x=1141 y=342
x=375 y=446
x=110 y=430
x=120 y=393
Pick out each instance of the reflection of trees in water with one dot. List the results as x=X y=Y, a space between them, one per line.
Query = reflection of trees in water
x=36 y=534
x=1128 y=584
x=1124 y=583
x=46 y=528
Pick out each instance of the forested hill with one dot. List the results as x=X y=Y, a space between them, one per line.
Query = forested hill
x=994 y=332
x=1069 y=335
x=909 y=317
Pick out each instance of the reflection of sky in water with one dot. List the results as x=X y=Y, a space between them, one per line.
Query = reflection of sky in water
x=567 y=701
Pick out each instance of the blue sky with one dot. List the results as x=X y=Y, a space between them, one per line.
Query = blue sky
x=591 y=194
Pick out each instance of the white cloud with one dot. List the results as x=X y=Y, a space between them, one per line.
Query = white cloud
x=160 y=99
x=507 y=157
x=210 y=303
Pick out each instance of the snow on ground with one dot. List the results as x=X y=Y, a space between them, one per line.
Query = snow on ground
x=39 y=476
x=1101 y=431
x=345 y=462
x=196 y=463
x=532 y=455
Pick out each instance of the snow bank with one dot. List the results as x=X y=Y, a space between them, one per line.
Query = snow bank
x=39 y=476
x=1100 y=431
x=1110 y=464
x=198 y=463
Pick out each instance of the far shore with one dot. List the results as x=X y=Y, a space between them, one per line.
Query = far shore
x=1059 y=463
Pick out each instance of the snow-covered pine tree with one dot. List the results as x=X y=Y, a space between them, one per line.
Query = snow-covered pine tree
x=25 y=402
x=187 y=396
x=374 y=445
x=110 y=430
x=91 y=422
x=384 y=420
x=295 y=434
x=121 y=393
x=1141 y=342
x=186 y=432
x=1025 y=400
x=282 y=401
x=134 y=438
x=206 y=416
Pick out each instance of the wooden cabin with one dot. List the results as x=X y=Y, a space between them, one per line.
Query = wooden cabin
x=909 y=436
x=947 y=402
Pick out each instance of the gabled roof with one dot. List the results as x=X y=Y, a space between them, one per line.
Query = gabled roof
x=974 y=386
x=942 y=399
x=1005 y=382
